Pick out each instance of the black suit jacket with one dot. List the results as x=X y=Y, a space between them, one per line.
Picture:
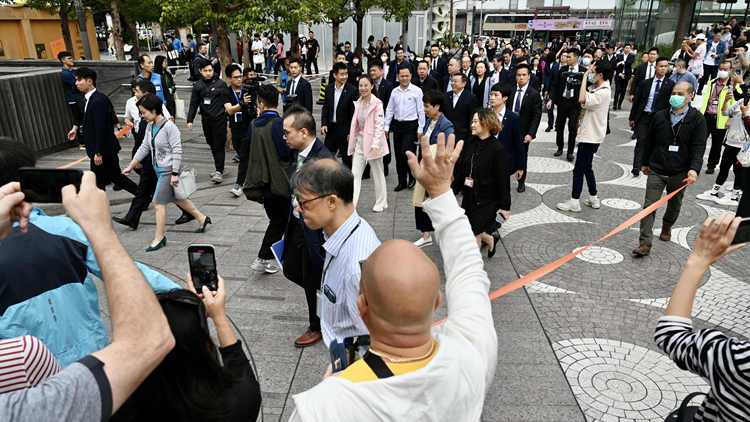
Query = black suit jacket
x=384 y=92
x=640 y=76
x=96 y=125
x=533 y=82
x=429 y=83
x=626 y=68
x=344 y=110
x=511 y=76
x=446 y=87
x=304 y=94
x=462 y=114
x=558 y=86
x=531 y=109
x=661 y=102
x=442 y=68
x=490 y=174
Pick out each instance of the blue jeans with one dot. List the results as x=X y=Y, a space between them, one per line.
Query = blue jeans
x=270 y=63
x=584 y=167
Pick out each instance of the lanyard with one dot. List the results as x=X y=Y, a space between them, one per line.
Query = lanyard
x=153 y=142
x=208 y=88
x=237 y=96
x=323 y=278
x=674 y=134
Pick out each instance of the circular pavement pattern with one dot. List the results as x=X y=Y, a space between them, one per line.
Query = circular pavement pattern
x=621 y=204
x=548 y=165
x=622 y=380
x=599 y=255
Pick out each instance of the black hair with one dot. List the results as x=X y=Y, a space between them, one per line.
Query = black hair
x=348 y=43
x=660 y=59
x=324 y=177
x=142 y=59
x=63 y=54
x=523 y=66
x=654 y=49
x=152 y=103
x=203 y=63
x=86 y=73
x=268 y=95
x=295 y=60
x=605 y=68
x=14 y=155
x=231 y=68
x=397 y=49
x=159 y=64
x=423 y=61
x=503 y=88
x=146 y=87
x=247 y=70
x=256 y=35
x=464 y=78
x=507 y=51
x=499 y=58
x=403 y=66
x=574 y=51
x=134 y=82
x=190 y=36
x=302 y=119
x=338 y=53
x=434 y=46
x=376 y=63
x=190 y=383
x=338 y=66
x=435 y=98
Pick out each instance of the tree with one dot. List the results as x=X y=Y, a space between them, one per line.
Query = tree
x=336 y=12
x=398 y=10
x=61 y=7
x=686 y=8
x=114 y=11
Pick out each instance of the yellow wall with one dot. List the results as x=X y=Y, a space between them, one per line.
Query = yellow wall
x=28 y=33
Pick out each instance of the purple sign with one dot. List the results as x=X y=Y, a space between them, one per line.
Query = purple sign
x=571 y=24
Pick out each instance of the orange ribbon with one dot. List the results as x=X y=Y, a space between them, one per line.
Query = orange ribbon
x=119 y=135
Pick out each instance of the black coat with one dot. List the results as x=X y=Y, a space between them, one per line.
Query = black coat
x=639 y=76
x=558 y=86
x=462 y=114
x=384 y=92
x=344 y=110
x=642 y=92
x=531 y=109
x=428 y=84
x=446 y=86
x=691 y=141
x=491 y=181
x=304 y=94
x=96 y=124
x=214 y=112
x=442 y=68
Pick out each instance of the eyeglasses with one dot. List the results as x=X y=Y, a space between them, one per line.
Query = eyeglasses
x=287 y=132
x=303 y=204
x=236 y=77
x=186 y=297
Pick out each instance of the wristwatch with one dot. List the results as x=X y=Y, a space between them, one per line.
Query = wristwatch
x=98 y=154
x=174 y=173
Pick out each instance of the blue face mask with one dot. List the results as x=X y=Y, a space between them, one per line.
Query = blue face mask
x=586 y=61
x=676 y=101
x=591 y=78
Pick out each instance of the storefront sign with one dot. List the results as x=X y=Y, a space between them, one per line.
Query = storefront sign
x=521 y=26
x=571 y=24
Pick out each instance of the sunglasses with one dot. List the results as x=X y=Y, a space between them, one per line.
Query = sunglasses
x=187 y=297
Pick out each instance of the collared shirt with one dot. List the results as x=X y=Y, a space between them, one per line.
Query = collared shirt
x=569 y=91
x=501 y=115
x=351 y=243
x=133 y=113
x=456 y=96
x=713 y=102
x=295 y=82
x=652 y=94
x=301 y=157
x=650 y=71
x=336 y=96
x=87 y=96
x=405 y=105
x=495 y=77
x=677 y=118
x=519 y=94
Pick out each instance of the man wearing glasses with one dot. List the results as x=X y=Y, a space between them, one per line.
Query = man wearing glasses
x=303 y=246
x=238 y=109
x=68 y=76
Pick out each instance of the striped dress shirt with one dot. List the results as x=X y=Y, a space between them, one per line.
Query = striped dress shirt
x=353 y=242
x=24 y=363
x=723 y=361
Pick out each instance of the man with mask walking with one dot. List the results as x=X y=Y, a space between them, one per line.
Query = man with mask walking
x=716 y=122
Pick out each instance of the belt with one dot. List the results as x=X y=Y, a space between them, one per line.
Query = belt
x=404 y=121
x=649 y=113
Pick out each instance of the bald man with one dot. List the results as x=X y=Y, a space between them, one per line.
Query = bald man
x=414 y=371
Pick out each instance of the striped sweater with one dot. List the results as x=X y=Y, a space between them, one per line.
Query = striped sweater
x=723 y=361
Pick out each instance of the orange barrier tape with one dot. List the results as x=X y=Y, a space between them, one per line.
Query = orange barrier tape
x=119 y=135
x=541 y=272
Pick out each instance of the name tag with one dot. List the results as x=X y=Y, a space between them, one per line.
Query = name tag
x=674 y=148
x=469 y=182
x=158 y=88
x=238 y=117
x=206 y=101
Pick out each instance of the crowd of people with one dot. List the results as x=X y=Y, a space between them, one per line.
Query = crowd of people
x=462 y=118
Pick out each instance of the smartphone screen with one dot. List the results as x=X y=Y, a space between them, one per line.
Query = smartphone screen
x=44 y=185
x=202 y=261
x=743 y=232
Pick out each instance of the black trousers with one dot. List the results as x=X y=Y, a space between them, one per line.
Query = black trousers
x=277 y=208
x=641 y=131
x=621 y=90
x=709 y=72
x=568 y=110
x=717 y=139
x=216 y=138
x=551 y=113
x=335 y=142
x=310 y=62
x=76 y=112
x=242 y=148
x=743 y=209
x=110 y=171
x=299 y=269
x=404 y=138
x=523 y=177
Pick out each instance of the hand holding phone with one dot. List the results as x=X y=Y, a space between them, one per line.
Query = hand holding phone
x=45 y=184
x=202 y=260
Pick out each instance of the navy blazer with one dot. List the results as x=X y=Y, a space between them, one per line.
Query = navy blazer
x=97 y=126
x=304 y=94
x=442 y=69
x=627 y=68
x=511 y=136
x=550 y=75
x=443 y=125
x=344 y=110
x=314 y=238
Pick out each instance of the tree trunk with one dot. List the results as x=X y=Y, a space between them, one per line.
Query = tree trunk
x=335 y=26
x=64 y=10
x=245 y=48
x=114 y=11
x=686 y=7
x=358 y=18
x=294 y=44
x=222 y=43
x=136 y=51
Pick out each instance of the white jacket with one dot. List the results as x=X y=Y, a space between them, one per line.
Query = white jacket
x=452 y=386
x=594 y=123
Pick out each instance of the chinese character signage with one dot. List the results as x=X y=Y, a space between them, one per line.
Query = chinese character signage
x=571 y=24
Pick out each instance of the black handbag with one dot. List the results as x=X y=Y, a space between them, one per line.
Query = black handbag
x=685 y=413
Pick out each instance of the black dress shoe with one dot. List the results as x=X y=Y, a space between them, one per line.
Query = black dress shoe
x=125 y=222
x=184 y=219
x=385 y=171
x=521 y=187
x=116 y=188
x=412 y=182
x=549 y=129
x=400 y=187
x=366 y=176
x=558 y=153
x=710 y=170
x=570 y=157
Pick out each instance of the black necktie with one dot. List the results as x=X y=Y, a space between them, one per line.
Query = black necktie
x=658 y=87
x=291 y=89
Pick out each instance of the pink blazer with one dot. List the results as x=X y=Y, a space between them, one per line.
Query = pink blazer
x=374 y=133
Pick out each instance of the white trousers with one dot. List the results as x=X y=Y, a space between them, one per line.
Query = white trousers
x=376 y=171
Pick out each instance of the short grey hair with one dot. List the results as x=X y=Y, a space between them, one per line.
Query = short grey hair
x=323 y=177
x=681 y=63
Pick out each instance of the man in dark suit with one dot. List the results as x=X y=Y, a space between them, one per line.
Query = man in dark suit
x=298 y=89
x=499 y=73
x=439 y=65
x=610 y=57
x=101 y=143
x=432 y=73
x=549 y=78
x=423 y=80
x=384 y=93
x=509 y=65
x=394 y=65
x=512 y=134
x=623 y=71
x=337 y=113
x=303 y=247
x=565 y=92
x=644 y=71
x=534 y=82
x=454 y=67
x=527 y=103
x=460 y=105
x=651 y=96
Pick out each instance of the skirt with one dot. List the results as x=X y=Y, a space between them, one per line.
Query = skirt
x=164 y=193
x=481 y=217
x=424 y=224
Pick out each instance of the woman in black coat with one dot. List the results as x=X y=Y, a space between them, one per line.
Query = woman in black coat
x=481 y=173
x=355 y=70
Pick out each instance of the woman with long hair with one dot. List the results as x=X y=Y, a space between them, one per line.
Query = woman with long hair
x=536 y=68
x=482 y=175
x=480 y=83
x=161 y=66
x=367 y=142
x=280 y=55
x=162 y=141
x=191 y=384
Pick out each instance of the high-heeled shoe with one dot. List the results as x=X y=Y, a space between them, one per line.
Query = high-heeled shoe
x=206 y=222
x=158 y=246
x=495 y=240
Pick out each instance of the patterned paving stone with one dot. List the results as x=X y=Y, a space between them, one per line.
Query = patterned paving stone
x=621 y=204
x=548 y=165
x=599 y=255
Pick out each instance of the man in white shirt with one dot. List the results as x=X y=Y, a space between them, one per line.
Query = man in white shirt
x=132 y=113
x=405 y=114
x=257 y=50
x=440 y=373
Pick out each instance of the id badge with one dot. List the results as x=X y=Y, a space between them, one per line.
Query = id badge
x=158 y=88
x=469 y=182
x=319 y=310
x=715 y=102
x=674 y=148
x=238 y=117
x=206 y=101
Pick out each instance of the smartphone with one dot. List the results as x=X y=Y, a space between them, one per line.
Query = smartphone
x=349 y=351
x=202 y=259
x=45 y=185
x=743 y=231
x=500 y=218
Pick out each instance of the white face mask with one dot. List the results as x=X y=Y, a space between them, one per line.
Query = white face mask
x=722 y=74
x=384 y=58
x=356 y=61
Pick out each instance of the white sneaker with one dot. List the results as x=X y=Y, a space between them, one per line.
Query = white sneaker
x=421 y=243
x=595 y=204
x=264 y=265
x=376 y=209
x=237 y=191
x=709 y=195
x=568 y=206
x=212 y=174
x=217 y=177
x=727 y=200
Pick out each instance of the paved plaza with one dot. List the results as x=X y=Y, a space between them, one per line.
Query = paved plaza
x=576 y=345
